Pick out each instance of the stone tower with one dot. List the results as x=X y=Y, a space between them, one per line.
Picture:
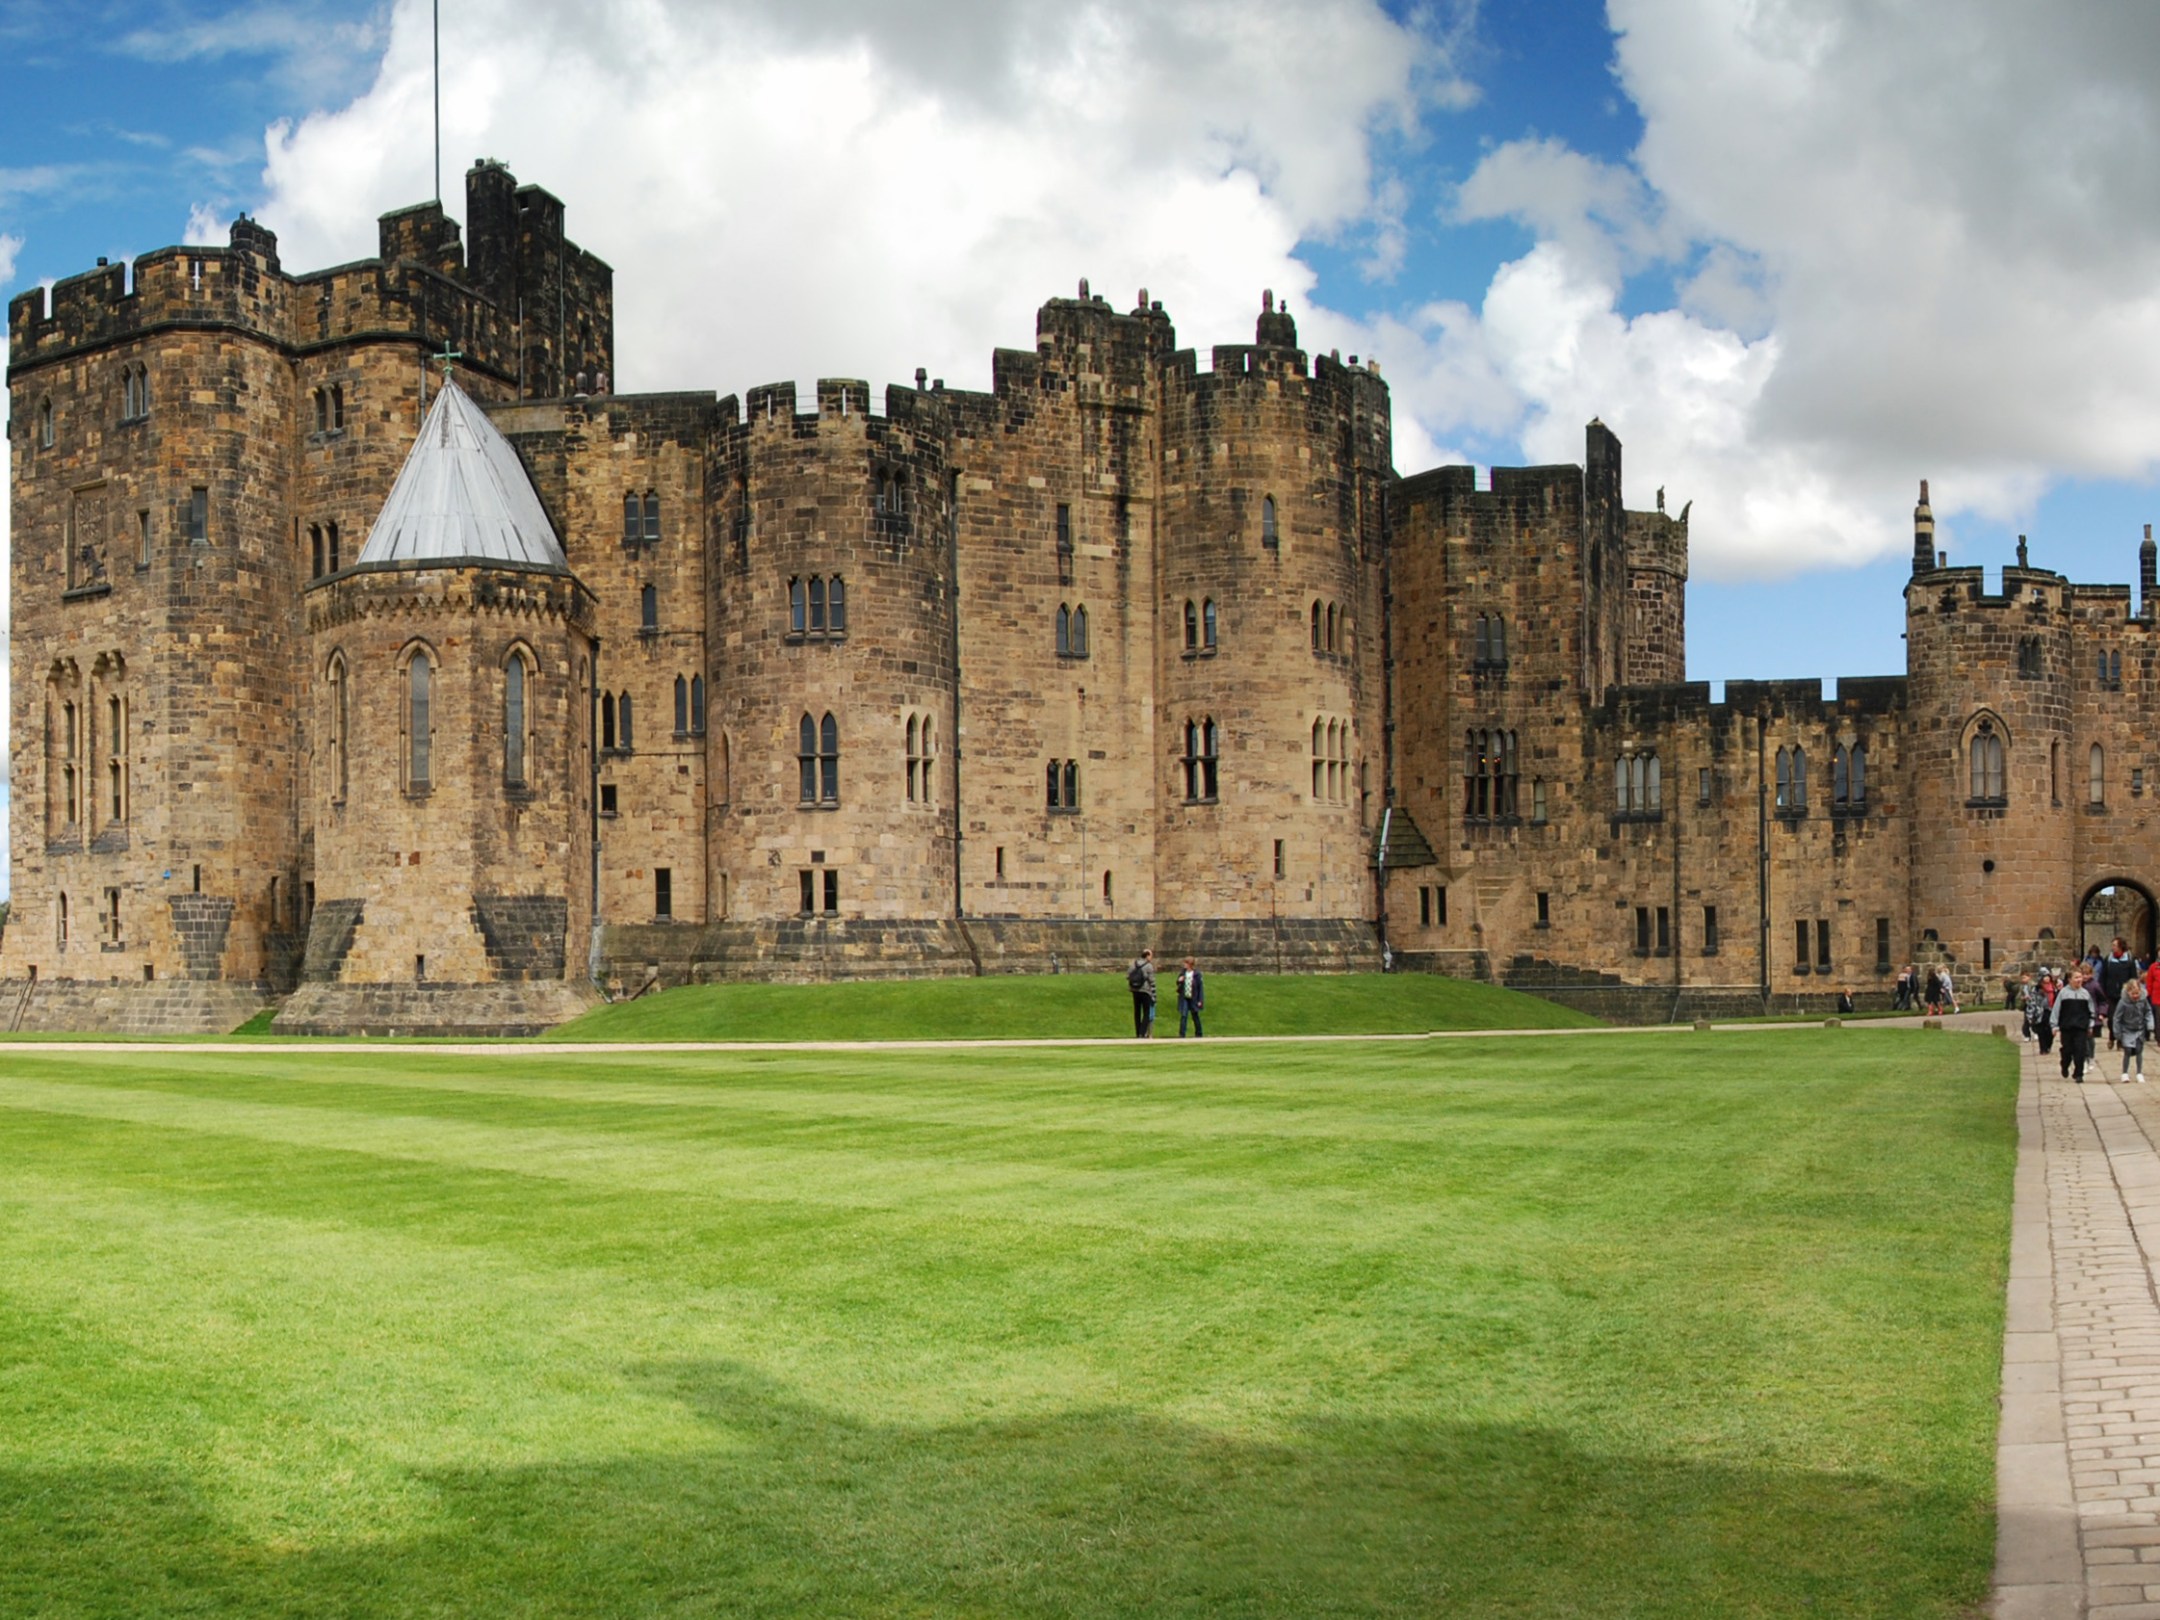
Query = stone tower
x=449 y=676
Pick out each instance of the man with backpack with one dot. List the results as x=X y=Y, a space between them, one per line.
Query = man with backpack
x=2074 y=1023
x=1140 y=979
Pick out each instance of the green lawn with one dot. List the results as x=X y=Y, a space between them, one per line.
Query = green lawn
x=1672 y=1324
x=1075 y=1005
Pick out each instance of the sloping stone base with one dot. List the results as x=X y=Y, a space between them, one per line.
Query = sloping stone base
x=166 y=1007
x=805 y=950
x=525 y=1008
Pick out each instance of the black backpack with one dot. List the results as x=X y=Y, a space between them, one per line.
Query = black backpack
x=1136 y=975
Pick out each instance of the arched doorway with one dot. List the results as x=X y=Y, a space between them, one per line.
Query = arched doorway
x=2116 y=906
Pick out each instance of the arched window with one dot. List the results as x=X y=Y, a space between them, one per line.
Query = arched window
x=334 y=732
x=697 y=705
x=837 y=618
x=682 y=707
x=1499 y=638
x=649 y=609
x=806 y=757
x=45 y=424
x=798 y=618
x=829 y=760
x=337 y=404
x=330 y=532
x=322 y=410
x=607 y=719
x=418 y=723
x=1208 y=624
x=1656 y=801
x=1799 y=779
x=1483 y=646
x=1985 y=762
x=516 y=739
x=817 y=605
x=1784 y=779
x=1319 y=758
x=1331 y=628
x=2096 y=767
x=1268 y=535
x=1079 y=633
x=60 y=923
x=1064 y=631
x=1202 y=749
x=2055 y=771
x=622 y=722
x=1192 y=627
x=929 y=760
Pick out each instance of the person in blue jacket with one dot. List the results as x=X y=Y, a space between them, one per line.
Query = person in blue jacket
x=1191 y=997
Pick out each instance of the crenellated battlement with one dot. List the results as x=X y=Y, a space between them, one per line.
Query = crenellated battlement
x=418 y=291
x=1644 y=711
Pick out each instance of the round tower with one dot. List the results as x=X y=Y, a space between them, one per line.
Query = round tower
x=1988 y=762
x=1269 y=728
x=450 y=779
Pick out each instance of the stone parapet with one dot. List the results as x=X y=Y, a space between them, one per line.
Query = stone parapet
x=165 y=1007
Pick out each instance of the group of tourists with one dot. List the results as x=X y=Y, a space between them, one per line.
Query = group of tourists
x=1931 y=988
x=2108 y=993
x=1191 y=995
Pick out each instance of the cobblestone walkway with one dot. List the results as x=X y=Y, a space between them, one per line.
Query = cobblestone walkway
x=2078 y=1462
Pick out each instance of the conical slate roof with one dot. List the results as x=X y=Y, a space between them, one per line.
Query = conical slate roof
x=463 y=496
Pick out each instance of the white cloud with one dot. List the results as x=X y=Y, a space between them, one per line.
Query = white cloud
x=207 y=226
x=858 y=189
x=10 y=249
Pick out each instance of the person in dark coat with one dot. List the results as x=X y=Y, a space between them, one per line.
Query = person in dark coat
x=1140 y=977
x=1191 y=997
x=2074 y=1025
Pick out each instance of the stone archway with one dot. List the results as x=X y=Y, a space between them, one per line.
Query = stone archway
x=2117 y=906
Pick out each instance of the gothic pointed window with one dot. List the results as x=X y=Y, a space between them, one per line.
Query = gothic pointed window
x=334 y=732
x=1799 y=779
x=1079 y=633
x=1784 y=779
x=798 y=611
x=1269 y=536
x=2096 y=775
x=648 y=610
x=1192 y=627
x=682 y=707
x=1985 y=764
x=806 y=758
x=913 y=758
x=836 y=618
x=1064 y=631
x=1208 y=624
x=622 y=721
x=1316 y=624
x=416 y=714
x=697 y=705
x=652 y=517
x=817 y=605
x=516 y=739
x=633 y=526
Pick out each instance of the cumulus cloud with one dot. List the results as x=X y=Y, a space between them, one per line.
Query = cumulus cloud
x=10 y=249
x=859 y=189
x=208 y=225
x=1907 y=241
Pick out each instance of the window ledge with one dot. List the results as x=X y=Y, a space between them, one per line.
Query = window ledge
x=111 y=945
x=1213 y=798
x=1987 y=804
x=1073 y=657
x=1198 y=652
x=1063 y=809
x=1849 y=812
x=423 y=792
x=1791 y=813
x=1638 y=815
x=84 y=593
x=817 y=804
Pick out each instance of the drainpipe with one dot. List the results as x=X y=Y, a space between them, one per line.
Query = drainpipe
x=592 y=812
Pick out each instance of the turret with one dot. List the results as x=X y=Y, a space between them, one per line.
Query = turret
x=1275 y=329
x=1923 y=533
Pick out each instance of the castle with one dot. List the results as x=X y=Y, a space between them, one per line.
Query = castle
x=405 y=697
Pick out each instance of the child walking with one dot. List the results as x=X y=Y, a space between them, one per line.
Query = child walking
x=2133 y=1021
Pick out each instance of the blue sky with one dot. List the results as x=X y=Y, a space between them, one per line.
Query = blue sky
x=1798 y=254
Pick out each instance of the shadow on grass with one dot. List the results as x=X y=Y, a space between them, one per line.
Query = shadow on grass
x=792 y=1510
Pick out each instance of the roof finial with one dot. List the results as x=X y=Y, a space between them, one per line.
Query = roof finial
x=446 y=357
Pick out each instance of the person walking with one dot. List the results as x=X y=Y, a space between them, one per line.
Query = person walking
x=1140 y=979
x=2133 y=1022
x=2074 y=1025
x=2020 y=1002
x=1933 y=991
x=2117 y=970
x=1191 y=997
x=2038 y=1009
x=1903 y=1000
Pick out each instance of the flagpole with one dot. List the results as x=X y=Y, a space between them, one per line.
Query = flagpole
x=438 y=103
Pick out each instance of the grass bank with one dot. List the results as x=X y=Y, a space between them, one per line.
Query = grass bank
x=1670 y=1325
x=1072 y=1005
